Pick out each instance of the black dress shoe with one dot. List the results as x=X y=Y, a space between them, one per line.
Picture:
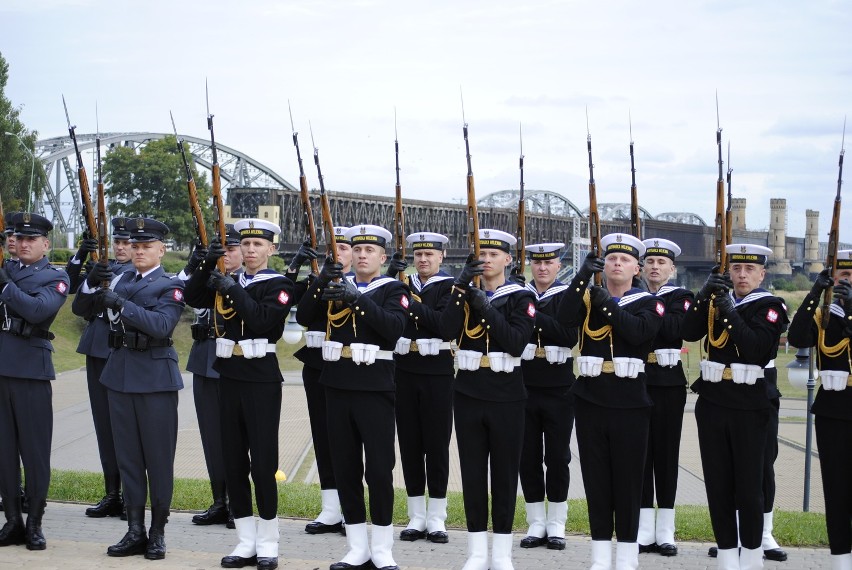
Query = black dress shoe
x=230 y=524
x=533 y=541
x=110 y=506
x=133 y=543
x=156 y=549
x=713 y=552
x=317 y=527
x=238 y=561
x=267 y=563
x=411 y=534
x=438 y=537
x=368 y=565
x=555 y=543
x=646 y=548
x=668 y=550
x=13 y=533
x=216 y=514
x=775 y=554
x=386 y=567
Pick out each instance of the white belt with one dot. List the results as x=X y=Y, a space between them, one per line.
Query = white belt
x=442 y=346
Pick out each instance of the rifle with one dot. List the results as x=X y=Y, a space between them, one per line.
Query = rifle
x=635 y=227
x=472 y=215
x=91 y=230
x=721 y=227
x=216 y=181
x=327 y=222
x=521 y=233
x=303 y=194
x=834 y=233
x=103 y=254
x=194 y=205
x=399 y=215
x=729 y=215
x=594 y=220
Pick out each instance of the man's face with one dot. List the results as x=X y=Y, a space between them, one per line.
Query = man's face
x=121 y=249
x=428 y=262
x=256 y=252
x=344 y=256
x=746 y=277
x=11 y=247
x=147 y=255
x=842 y=274
x=544 y=271
x=620 y=268
x=496 y=262
x=367 y=260
x=233 y=258
x=658 y=270
x=31 y=248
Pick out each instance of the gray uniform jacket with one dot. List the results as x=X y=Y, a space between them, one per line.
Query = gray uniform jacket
x=94 y=342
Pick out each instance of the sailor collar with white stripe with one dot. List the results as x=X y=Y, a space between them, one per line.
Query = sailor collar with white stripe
x=438 y=277
x=556 y=288
x=837 y=310
x=375 y=283
x=506 y=289
x=258 y=277
x=753 y=296
x=627 y=299
x=666 y=289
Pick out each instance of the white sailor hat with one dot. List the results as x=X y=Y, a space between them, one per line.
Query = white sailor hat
x=747 y=253
x=255 y=227
x=659 y=247
x=340 y=234
x=544 y=250
x=427 y=240
x=368 y=234
x=496 y=239
x=844 y=259
x=623 y=243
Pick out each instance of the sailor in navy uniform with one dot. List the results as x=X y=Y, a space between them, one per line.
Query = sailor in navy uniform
x=832 y=407
x=94 y=343
x=612 y=408
x=142 y=379
x=366 y=316
x=313 y=316
x=492 y=327
x=31 y=294
x=548 y=375
x=424 y=391
x=253 y=307
x=733 y=411
x=666 y=382
x=205 y=382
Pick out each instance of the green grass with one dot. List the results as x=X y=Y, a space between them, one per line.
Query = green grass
x=300 y=500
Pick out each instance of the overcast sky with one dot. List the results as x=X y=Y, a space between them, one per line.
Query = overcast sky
x=782 y=68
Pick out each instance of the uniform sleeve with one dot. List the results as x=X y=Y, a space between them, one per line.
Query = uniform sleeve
x=553 y=328
x=196 y=292
x=452 y=317
x=803 y=330
x=73 y=271
x=160 y=321
x=572 y=311
x=387 y=318
x=680 y=303
x=694 y=326
x=39 y=305
x=430 y=317
x=271 y=309
x=637 y=328
x=761 y=332
x=513 y=331
x=311 y=305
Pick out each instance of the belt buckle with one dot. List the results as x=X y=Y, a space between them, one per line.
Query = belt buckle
x=346 y=352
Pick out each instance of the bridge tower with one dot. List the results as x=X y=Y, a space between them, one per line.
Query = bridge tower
x=813 y=264
x=777 y=237
x=738 y=212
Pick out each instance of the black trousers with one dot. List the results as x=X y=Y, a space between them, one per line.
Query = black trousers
x=490 y=436
x=362 y=448
x=771 y=454
x=205 y=392
x=26 y=433
x=834 y=440
x=548 y=423
x=612 y=444
x=661 y=461
x=99 y=402
x=145 y=425
x=250 y=413
x=733 y=444
x=424 y=425
x=315 y=395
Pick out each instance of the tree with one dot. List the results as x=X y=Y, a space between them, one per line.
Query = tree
x=16 y=162
x=152 y=183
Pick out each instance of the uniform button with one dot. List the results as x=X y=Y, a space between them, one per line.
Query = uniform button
x=729 y=326
x=488 y=326
x=809 y=308
x=457 y=303
x=362 y=313
x=725 y=320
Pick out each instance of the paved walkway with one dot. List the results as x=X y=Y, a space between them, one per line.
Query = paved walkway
x=75 y=541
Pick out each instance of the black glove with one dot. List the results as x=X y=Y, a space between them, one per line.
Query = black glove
x=306 y=253
x=517 y=276
x=195 y=258
x=471 y=269
x=396 y=265
x=598 y=296
x=593 y=264
x=724 y=304
x=86 y=247
x=843 y=293
x=109 y=299
x=214 y=252
x=222 y=283
x=716 y=283
x=822 y=282
x=330 y=271
x=4 y=277
x=99 y=273
x=477 y=299
x=345 y=291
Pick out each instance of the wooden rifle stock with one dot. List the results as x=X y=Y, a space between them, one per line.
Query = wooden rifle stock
x=216 y=186
x=85 y=193
x=303 y=194
x=194 y=204
x=399 y=214
x=721 y=258
x=103 y=254
x=472 y=215
x=594 y=220
x=327 y=222
x=833 y=235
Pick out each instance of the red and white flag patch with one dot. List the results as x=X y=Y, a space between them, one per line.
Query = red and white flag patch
x=283 y=297
x=661 y=309
x=404 y=301
x=772 y=315
x=686 y=304
x=178 y=295
x=62 y=287
x=531 y=310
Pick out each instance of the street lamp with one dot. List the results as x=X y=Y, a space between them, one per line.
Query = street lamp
x=800 y=373
x=32 y=168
